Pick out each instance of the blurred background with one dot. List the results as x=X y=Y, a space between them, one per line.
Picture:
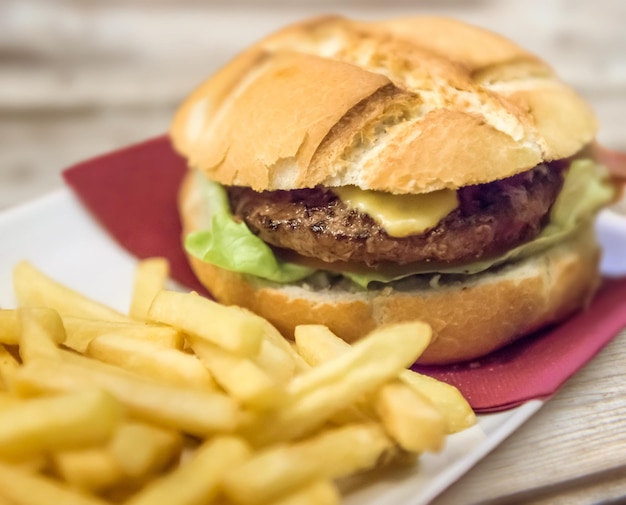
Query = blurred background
x=82 y=77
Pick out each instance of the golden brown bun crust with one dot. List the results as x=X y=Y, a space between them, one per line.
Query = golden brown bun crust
x=469 y=320
x=405 y=106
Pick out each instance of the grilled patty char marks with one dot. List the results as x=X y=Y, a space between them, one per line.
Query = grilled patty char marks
x=490 y=219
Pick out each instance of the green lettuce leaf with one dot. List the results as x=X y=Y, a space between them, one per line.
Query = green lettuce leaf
x=232 y=246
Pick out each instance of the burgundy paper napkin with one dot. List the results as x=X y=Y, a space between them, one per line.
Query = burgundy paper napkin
x=538 y=365
x=132 y=193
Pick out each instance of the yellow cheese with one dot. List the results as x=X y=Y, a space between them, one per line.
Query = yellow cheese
x=400 y=215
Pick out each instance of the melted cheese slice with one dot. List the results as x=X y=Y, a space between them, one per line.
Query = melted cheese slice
x=400 y=215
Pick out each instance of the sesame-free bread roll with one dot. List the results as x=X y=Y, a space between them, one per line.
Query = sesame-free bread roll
x=336 y=102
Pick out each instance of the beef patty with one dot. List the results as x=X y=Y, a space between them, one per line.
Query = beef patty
x=490 y=219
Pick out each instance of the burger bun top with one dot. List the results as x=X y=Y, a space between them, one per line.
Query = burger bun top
x=402 y=106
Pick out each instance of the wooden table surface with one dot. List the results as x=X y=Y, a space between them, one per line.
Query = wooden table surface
x=78 y=78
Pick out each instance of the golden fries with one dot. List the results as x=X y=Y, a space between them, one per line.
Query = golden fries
x=8 y=366
x=190 y=402
x=409 y=418
x=41 y=331
x=9 y=327
x=232 y=329
x=239 y=376
x=66 y=421
x=34 y=289
x=8 y=400
x=195 y=412
x=151 y=360
x=141 y=449
x=150 y=278
x=314 y=396
x=80 y=331
x=135 y=452
x=321 y=492
x=199 y=479
x=275 y=351
x=448 y=399
x=275 y=361
x=21 y=487
x=92 y=469
x=278 y=471
x=377 y=357
x=318 y=344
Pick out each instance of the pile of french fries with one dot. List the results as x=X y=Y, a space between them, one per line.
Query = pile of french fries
x=186 y=401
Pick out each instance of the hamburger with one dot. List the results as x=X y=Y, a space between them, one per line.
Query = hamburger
x=356 y=174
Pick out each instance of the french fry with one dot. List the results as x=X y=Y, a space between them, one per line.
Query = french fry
x=40 y=321
x=314 y=396
x=381 y=354
x=239 y=376
x=272 y=336
x=457 y=412
x=41 y=330
x=8 y=400
x=321 y=492
x=71 y=420
x=150 y=360
x=140 y=449
x=21 y=487
x=80 y=331
x=232 y=329
x=195 y=412
x=278 y=471
x=198 y=480
x=9 y=327
x=150 y=277
x=316 y=343
x=100 y=367
x=135 y=451
x=270 y=421
x=275 y=361
x=92 y=469
x=409 y=418
x=37 y=464
x=4 y=501
x=8 y=366
x=34 y=289
x=301 y=364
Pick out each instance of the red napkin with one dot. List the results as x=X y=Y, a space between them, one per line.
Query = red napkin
x=538 y=365
x=132 y=193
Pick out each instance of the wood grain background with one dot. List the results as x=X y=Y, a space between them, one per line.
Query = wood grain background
x=81 y=77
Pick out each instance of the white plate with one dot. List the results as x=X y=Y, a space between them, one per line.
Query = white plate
x=60 y=238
